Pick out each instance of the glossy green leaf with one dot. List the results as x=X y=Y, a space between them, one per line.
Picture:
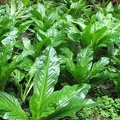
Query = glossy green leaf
x=53 y=15
x=26 y=64
x=39 y=13
x=69 y=100
x=37 y=23
x=24 y=26
x=93 y=37
x=10 y=37
x=87 y=36
x=26 y=2
x=45 y=78
x=19 y=58
x=5 y=54
x=85 y=57
x=13 y=7
x=18 y=75
x=62 y=97
x=11 y=108
x=6 y=50
x=41 y=9
x=98 y=67
x=99 y=35
x=4 y=24
x=77 y=7
x=109 y=7
x=26 y=43
x=68 y=58
x=20 y=11
x=101 y=77
x=73 y=106
x=36 y=14
x=84 y=63
x=59 y=99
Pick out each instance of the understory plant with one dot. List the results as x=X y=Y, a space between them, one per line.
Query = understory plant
x=83 y=68
x=45 y=102
x=47 y=45
x=10 y=54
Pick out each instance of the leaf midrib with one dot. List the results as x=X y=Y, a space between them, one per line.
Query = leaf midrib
x=71 y=96
x=43 y=88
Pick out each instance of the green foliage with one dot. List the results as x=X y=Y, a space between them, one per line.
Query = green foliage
x=10 y=32
x=85 y=68
x=51 y=52
x=10 y=108
x=44 y=101
x=44 y=81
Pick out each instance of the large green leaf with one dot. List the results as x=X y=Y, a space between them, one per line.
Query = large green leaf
x=87 y=36
x=26 y=2
x=59 y=99
x=10 y=107
x=36 y=14
x=68 y=58
x=24 y=26
x=73 y=106
x=98 y=35
x=98 y=67
x=84 y=63
x=68 y=101
x=13 y=7
x=40 y=12
x=5 y=24
x=109 y=7
x=45 y=78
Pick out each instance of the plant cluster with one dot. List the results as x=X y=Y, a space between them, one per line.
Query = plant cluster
x=51 y=53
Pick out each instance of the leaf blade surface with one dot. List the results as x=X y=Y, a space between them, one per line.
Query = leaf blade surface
x=45 y=78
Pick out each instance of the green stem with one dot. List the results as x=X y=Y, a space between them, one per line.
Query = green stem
x=27 y=89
